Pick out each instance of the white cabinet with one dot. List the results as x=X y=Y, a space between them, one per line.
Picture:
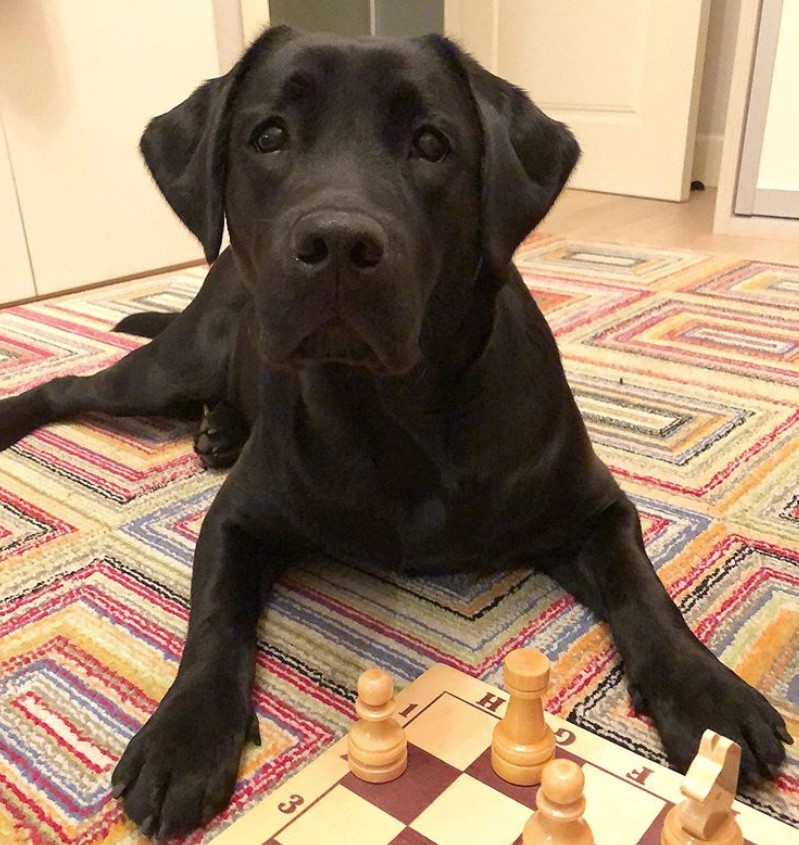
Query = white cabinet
x=79 y=80
x=16 y=279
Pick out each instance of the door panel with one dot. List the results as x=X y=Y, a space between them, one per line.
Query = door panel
x=623 y=74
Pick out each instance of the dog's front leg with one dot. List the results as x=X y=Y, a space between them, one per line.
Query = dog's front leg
x=180 y=769
x=672 y=676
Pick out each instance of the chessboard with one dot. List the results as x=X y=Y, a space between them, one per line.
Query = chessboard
x=450 y=795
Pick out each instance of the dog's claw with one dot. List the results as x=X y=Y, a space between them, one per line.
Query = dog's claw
x=639 y=703
x=149 y=826
x=118 y=789
x=220 y=436
x=254 y=731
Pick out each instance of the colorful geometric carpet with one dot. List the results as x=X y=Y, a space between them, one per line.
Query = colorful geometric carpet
x=686 y=368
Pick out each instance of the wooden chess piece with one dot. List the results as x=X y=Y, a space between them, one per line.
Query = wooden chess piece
x=706 y=815
x=377 y=750
x=558 y=819
x=523 y=743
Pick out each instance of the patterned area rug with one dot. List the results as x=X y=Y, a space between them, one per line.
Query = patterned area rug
x=686 y=368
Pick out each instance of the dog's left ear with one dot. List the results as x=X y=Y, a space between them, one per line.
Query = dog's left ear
x=527 y=158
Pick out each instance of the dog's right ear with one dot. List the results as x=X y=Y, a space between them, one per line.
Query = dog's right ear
x=185 y=152
x=527 y=156
x=186 y=149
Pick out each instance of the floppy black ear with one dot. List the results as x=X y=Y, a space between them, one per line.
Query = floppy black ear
x=185 y=152
x=527 y=158
x=186 y=149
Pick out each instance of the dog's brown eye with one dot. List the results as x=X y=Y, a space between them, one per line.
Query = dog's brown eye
x=430 y=145
x=270 y=137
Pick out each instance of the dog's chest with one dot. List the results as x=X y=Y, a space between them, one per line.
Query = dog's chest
x=370 y=480
x=376 y=488
x=413 y=521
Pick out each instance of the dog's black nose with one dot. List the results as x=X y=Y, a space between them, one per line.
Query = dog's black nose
x=346 y=239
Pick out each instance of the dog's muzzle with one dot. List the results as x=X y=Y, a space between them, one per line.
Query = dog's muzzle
x=348 y=303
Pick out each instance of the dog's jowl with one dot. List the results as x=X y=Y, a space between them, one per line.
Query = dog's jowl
x=394 y=393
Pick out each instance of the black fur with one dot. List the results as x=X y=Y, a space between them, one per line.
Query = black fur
x=148 y=324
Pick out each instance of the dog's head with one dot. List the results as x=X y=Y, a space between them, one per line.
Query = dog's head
x=366 y=185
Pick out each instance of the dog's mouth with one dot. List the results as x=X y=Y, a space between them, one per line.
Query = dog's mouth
x=336 y=342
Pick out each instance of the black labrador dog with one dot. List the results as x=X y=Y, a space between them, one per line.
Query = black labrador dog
x=395 y=393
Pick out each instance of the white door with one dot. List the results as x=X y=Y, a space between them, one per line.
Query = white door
x=625 y=75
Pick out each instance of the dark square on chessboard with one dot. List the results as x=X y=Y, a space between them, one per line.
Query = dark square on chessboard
x=405 y=798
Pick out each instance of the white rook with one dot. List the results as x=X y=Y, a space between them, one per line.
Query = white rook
x=523 y=743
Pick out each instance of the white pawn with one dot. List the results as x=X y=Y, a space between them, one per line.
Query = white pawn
x=377 y=750
x=558 y=819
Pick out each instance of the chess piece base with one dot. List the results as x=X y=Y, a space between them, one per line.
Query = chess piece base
x=521 y=764
x=379 y=773
x=674 y=834
x=541 y=829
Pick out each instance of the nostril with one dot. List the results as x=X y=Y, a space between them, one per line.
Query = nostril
x=344 y=241
x=366 y=253
x=312 y=250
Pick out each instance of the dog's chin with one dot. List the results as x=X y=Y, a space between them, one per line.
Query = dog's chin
x=335 y=342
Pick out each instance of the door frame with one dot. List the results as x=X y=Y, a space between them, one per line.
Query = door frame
x=254 y=17
x=749 y=199
x=725 y=220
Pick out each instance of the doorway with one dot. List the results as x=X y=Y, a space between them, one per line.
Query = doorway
x=361 y=17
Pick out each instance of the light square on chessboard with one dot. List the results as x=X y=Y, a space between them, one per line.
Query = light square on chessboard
x=341 y=818
x=453 y=730
x=616 y=810
x=470 y=811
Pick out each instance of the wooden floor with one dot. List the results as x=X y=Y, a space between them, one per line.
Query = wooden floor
x=588 y=216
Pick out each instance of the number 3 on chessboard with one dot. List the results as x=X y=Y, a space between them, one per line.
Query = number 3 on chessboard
x=291 y=805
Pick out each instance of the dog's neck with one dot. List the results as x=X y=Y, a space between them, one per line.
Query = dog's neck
x=422 y=401
x=454 y=336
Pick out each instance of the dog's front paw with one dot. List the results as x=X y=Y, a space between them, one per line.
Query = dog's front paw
x=221 y=436
x=688 y=696
x=180 y=769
